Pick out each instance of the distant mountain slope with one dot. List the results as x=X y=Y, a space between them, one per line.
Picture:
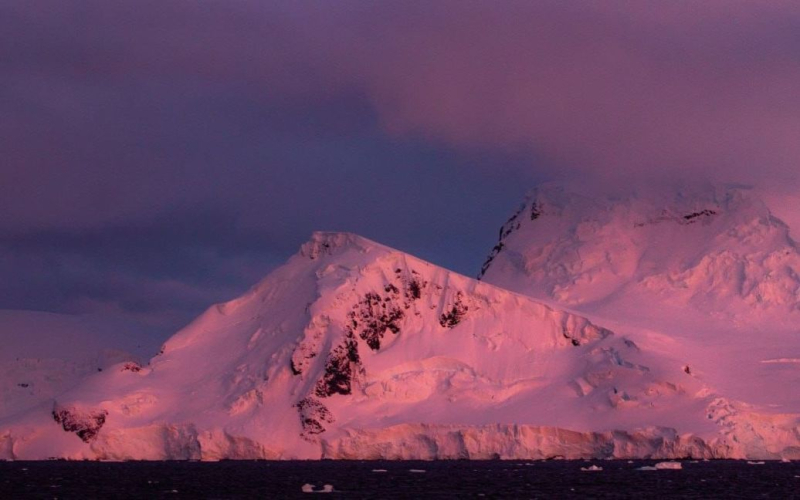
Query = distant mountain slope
x=354 y=350
x=717 y=249
x=44 y=354
x=709 y=271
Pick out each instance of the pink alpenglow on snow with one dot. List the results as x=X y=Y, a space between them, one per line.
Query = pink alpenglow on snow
x=354 y=350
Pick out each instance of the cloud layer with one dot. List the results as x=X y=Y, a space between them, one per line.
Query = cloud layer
x=158 y=149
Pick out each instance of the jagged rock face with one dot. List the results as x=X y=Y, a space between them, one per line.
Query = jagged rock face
x=342 y=362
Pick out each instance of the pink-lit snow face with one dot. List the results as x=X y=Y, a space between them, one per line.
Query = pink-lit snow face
x=353 y=350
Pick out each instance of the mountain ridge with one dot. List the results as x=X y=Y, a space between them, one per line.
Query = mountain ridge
x=356 y=350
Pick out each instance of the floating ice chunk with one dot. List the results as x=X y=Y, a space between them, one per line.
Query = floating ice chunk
x=378 y=470
x=751 y=462
x=647 y=467
x=309 y=488
x=669 y=465
x=591 y=468
x=416 y=470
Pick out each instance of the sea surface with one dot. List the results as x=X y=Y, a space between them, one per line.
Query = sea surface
x=399 y=479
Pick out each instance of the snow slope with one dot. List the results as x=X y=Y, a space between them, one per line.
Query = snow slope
x=706 y=275
x=44 y=354
x=715 y=249
x=354 y=350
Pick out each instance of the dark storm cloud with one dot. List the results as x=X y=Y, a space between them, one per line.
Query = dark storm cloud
x=161 y=155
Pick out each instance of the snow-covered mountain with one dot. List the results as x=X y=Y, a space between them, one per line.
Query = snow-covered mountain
x=716 y=249
x=354 y=350
x=706 y=274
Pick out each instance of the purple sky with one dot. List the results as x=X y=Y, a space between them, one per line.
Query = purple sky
x=161 y=155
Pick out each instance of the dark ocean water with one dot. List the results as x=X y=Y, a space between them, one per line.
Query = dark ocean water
x=397 y=479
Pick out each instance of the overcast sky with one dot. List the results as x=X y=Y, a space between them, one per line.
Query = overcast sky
x=157 y=156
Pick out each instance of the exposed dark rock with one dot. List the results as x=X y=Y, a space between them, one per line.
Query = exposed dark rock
x=631 y=344
x=580 y=331
x=414 y=286
x=488 y=262
x=536 y=211
x=368 y=319
x=375 y=314
x=315 y=248
x=690 y=218
x=455 y=314
x=313 y=415
x=414 y=290
x=339 y=369
x=667 y=216
x=85 y=424
x=573 y=340
x=132 y=366
x=511 y=225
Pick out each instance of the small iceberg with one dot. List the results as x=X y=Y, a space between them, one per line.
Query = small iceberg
x=591 y=468
x=416 y=470
x=309 y=488
x=663 y=466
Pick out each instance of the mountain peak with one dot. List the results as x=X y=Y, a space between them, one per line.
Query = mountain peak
x=324 y=243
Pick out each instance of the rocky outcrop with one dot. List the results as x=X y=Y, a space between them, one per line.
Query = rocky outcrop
x=343 y=362
x=455 y=313
x=313 y=415
x=84 y=423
